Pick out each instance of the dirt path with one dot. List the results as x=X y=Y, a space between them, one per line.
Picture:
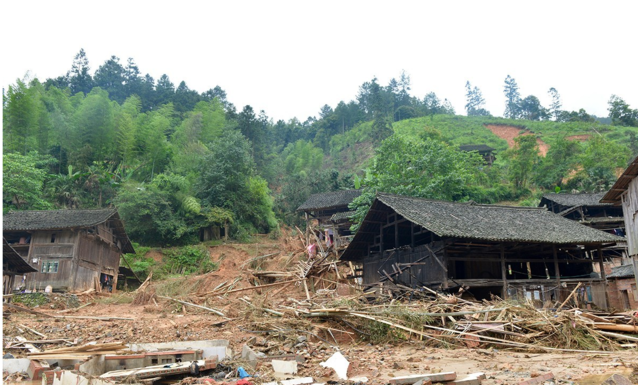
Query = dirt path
x=510 y=132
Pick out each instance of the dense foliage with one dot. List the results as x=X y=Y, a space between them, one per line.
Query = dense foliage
x=175 y=161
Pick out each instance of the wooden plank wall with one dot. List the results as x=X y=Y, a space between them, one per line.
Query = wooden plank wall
x=94 y=256
x=428 y=270
x=630 y=211
x=54 y=246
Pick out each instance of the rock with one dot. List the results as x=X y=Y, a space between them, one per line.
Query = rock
x=301 y=339
x=617 y=379
x=8 y=356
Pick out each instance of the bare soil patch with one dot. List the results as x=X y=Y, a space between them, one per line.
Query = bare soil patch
x=510 y=132
x=580 y=138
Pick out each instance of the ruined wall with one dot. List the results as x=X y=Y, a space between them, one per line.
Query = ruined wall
x=617 y=298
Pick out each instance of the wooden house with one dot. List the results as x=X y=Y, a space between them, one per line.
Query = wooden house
x=12 y=265
x=625 y=193
x=586 y=209
x=484 y=150
x=71 y=250
x=512 y=252
x=622 y=291
x=329 y=212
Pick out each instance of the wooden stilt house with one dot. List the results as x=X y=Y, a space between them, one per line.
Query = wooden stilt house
x=12 y=265
x=586 y=209
x=512 y=252
x=71 y=250
x=329 y=212
x=624 y=193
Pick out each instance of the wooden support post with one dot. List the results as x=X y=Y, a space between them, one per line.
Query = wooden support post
x=603 y=276
x=307 y=228
x=381 y=241
x=412 y=235
x=503 y=272
x=556 y=269
x=444 y=263
x=396 y=234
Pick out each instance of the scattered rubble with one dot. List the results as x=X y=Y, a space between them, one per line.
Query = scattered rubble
x=296 y=321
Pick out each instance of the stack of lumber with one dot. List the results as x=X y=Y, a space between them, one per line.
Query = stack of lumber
x=79 y=352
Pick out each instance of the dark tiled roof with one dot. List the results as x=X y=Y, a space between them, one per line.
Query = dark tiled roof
x=337 y=217
x=63 y=219
x=329 y=200
x=621 y=185
x=55 y=219
x=481 y=222
x=573 y=200
x=476 y=147
x=14 y=261
x=623 y=271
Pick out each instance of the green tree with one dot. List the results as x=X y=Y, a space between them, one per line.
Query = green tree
x=80 y=79
x=110 y=77
x=556 y=104
x=512 y=99
x=94 y=130
x=23 y=182
x=474 y=101
x=620 y=112
x=523 y=158
x=599 y=161
x=417 y=167
x=531 y=109
x=19 y=118
x=228 y=181
x=561 y=161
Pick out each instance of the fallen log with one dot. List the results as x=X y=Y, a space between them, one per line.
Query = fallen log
x=617 y=328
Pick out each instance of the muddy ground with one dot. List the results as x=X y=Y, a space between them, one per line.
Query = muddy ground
x=163 y=320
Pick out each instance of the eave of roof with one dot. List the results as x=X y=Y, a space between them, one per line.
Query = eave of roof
x=481 y=222
x=16 y=263
x=621 y=185
x=574 y=200
x=623 y=271
x=34 y=220
x=333 y=199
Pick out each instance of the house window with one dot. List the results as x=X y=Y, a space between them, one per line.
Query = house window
x=53 y=238
x=153 y=361
x=50 y=267
x=167 y=360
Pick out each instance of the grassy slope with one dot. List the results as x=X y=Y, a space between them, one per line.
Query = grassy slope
x=351 y=151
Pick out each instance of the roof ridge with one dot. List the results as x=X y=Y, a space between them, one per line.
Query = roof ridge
x=42 y=211
x=468 y=203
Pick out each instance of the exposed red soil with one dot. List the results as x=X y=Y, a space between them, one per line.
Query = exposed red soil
x=580 y=138
x=510 y=132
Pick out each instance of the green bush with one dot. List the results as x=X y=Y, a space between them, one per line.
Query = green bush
x=188 y=260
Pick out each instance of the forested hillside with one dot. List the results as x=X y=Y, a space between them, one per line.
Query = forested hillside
x=174 y=160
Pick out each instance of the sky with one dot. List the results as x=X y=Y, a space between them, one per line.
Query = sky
x=289 y=58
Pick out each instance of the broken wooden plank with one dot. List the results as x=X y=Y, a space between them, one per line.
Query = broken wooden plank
x=33 y=331
x=193 y=305
x=434 y=377
x=263 y=286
